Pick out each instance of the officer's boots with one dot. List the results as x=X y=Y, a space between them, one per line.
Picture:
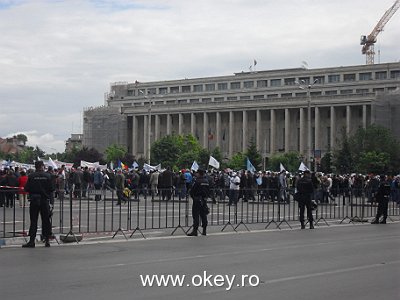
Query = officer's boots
x=302 y=225
x=30 y=244
x=383 y=221
x=311 y=225
x=376 y=221
x=204 y=231
x=193 y=233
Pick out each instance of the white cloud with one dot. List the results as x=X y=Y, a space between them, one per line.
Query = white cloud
x=57 y=57
x=47 y=142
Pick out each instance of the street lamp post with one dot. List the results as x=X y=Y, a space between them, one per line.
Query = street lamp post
x=303 y=86
x=148 y=154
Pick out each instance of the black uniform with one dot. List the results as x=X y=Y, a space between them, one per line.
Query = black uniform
x=200 y=191
x=305 y=190
x=382 y=197
x=40 y=187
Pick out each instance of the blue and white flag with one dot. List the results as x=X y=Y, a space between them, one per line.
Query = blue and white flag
x=281 y=168
x=195 y=166
x=135 y=165
x=250 y=166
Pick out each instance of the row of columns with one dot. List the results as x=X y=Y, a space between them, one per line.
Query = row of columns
x=231 y=140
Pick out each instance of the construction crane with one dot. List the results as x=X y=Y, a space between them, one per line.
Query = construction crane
x=369 y=41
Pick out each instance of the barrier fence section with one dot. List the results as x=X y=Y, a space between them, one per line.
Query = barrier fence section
x=107 y=211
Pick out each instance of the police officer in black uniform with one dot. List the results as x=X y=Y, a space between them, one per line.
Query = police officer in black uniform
x=382 y=197
x=199 y=192
x=305 y=191
x=40 y=187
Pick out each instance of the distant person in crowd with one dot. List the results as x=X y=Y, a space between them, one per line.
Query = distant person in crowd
x=120 y=185
x=98 y=179
x=199 y=192
x=22 y=194
x=39 y=186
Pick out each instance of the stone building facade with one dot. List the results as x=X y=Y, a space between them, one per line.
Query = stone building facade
x=304 y=110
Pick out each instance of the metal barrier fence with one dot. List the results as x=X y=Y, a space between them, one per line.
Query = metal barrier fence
x=99 y=212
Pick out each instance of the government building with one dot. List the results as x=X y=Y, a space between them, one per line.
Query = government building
x=304 y=110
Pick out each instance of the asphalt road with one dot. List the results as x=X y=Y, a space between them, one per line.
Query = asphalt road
x=336 y=262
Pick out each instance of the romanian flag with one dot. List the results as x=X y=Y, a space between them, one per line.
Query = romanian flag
x=121 y=165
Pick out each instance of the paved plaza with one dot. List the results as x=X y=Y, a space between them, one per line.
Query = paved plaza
x=337 y=262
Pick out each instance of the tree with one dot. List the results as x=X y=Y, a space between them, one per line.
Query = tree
x=238 y=162
x=290 y=161
x=89 y=155
x=326 y=163
x=176 y=151
x=22 y=137
x=373 y=149
x=114 y=152
x=254 y=155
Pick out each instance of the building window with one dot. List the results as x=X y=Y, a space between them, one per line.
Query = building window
x=366 y=76
x=222 y=86
x=174 y=89
x=276 y=82
x=319 y=79
x=395 y=74
x=218 y=99
x=346 y=92
x=330 y=93
x=328 y=135
x=248 y=84
x=235 y=85
x=349 y=77
x=232 y=98
x=304 y=80
x=151 y=91
x=186 y=89
x=130 y=92
x=258 y=97
x=184 y=101
x=362 y=91
x=245 y=98
x=286 y=95
x=273 y=96
x=301 y=94
x=379 y=90
x=210 y=87
x=198 y=88
x=206 y=100
x=333 y=78
x=392 y=88
x=290 y=81
x=262 y=83
x=162 y=90
x=319 y=93
x=381 y=75
x=194 y=100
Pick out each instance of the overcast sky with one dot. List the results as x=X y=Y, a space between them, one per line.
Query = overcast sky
x=58 y=57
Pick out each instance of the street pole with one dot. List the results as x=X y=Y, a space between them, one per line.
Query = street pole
x=309 y=154
x=149 y=132
x=302 y=85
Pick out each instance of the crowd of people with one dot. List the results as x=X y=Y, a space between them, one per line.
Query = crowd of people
x=305 y=187
x=260 y=186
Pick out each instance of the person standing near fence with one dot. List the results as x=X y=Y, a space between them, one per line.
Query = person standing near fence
x=40 y=187
x=382 y=197
x=199 y=192
x=305 y=190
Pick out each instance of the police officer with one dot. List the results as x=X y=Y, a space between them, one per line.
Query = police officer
x=199 y=192
x=382 y=197
x=40 y=187
x=305 y=191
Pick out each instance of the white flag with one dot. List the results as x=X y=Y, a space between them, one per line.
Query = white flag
x=195 y=166
x=52 y=164
x=281 y=167
x=303 y=167
x=213 y=162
